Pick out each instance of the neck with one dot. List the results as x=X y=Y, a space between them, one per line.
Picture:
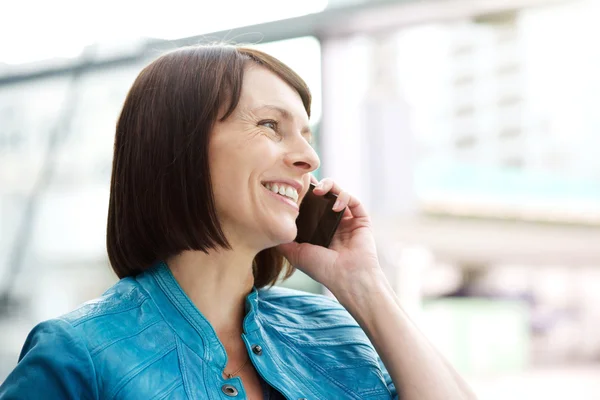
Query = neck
x=218 y=284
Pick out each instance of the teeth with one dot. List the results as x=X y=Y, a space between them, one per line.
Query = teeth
x=289 y=192
x=283 y=190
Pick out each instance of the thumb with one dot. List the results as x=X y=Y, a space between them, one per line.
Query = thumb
x=291 y=251
x=307 y=257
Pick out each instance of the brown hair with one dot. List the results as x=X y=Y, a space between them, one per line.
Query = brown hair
x=161 y=199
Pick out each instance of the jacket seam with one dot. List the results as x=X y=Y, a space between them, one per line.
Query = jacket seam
x=92 y=365
x=385 y=389
x=281 y=362
x=371 y=392
x=173 y=330
x=319 y=309
x=118 y=310
x=356 y=366
x=315 y=366
x=182 y=368
x=205 y=375
x=352 y=324
x=127 y=378
x=176 y=384
x=205 y=368
x=116 y=340
x=313 y=327
x=331 y=344
x=316 y=307
x=182 y=309
x=320 y=301
x=303 y=295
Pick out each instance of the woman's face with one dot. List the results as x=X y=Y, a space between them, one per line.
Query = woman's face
x=262 y=147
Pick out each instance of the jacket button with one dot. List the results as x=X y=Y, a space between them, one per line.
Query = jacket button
x=256 y=349
x=229 y=390
x=302 y=398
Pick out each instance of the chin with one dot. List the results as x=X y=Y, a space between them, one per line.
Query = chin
x=288 y=237
x=284 y=235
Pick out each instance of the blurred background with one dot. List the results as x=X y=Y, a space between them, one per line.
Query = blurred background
x=469 y=128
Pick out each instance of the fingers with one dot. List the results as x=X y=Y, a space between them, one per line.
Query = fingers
x=354 y=205
x=305 y=256
x=342 y=201
x=327 y=185
x=344 y=198
x=356 y=208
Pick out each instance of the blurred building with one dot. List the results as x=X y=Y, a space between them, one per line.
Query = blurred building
x=468 y=128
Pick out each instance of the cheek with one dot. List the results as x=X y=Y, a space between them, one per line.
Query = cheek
x=236 y=164
x=225 y=173
x=260 y=154
x=226 y=159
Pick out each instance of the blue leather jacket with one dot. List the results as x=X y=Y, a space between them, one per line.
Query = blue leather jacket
x=144 y=339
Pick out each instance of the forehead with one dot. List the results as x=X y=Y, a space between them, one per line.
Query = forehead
x=263 y=87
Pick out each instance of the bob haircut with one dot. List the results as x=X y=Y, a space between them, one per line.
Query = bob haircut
x=161 y=198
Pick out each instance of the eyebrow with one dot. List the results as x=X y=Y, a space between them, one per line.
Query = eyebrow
x=286 y=115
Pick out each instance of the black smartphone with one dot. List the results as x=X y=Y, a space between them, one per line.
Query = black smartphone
x=317 y=222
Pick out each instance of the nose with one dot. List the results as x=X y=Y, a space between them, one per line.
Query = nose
x=302 y=155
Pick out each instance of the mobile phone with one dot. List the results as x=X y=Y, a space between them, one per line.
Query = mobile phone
x=317 y=222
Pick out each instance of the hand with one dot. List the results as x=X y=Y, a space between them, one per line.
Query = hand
x=350 y=269
x=351 y=258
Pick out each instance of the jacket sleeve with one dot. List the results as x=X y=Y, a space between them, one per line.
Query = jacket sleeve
x=54 y=364
x=388 y=381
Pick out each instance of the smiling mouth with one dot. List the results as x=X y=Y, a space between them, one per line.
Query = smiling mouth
x=282 y=190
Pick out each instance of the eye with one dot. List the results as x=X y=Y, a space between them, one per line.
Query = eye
x=269 y=123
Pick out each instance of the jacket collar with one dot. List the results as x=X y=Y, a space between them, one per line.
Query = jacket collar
x=186 y=320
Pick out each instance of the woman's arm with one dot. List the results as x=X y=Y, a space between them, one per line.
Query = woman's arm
x=54 y=364
x=416 y=368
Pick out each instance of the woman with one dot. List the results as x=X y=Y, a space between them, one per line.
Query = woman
x=198 y=236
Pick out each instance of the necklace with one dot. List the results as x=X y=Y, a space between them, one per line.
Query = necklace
x=231 y=375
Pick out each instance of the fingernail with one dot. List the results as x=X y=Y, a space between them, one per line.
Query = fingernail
x=336 y=204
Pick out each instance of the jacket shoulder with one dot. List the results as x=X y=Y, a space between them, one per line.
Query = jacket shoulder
x=122 y=313
x=127 y=339
x=125 y=295
x=289 y=307
x=320 y=333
